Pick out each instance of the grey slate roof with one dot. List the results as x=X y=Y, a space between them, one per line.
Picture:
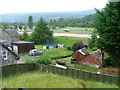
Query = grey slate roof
x=12 y=33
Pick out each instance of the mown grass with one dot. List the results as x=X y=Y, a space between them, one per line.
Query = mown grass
x=38 y=79
x=69 y=41
x=75 y=33
x=78 y=28
x=86 y=68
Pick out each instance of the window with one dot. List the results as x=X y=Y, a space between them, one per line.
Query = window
x=4 y=55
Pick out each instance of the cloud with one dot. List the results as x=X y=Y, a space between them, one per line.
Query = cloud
x=10 y=6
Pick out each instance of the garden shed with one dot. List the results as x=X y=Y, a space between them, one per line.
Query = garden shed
x=22 y=47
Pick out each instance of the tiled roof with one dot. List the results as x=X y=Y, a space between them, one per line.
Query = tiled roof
x=11 y=32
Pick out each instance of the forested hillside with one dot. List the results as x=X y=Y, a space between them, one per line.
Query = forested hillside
x=86 y=21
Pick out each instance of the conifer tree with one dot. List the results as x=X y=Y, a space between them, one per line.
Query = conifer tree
x=108 y=29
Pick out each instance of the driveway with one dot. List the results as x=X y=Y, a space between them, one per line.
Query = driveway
x=72 y=35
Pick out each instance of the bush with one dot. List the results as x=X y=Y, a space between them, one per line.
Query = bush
x=69 y=48
x=61 y=56
x=94 y=48
x=78 y=45
x=44 y=60
x=110 y=61
x=41 y=60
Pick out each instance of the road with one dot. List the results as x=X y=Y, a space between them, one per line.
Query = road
x=72 y=35
x=67 y=35
x=74 y=31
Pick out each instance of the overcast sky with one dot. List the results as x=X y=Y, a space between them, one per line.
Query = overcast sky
x=15 y=6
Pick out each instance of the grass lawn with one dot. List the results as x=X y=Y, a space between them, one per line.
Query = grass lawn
x=69 y=41
x=78 y=28
x=75 y=33
x=55 y=51
x=87 y=68
x=38 y=79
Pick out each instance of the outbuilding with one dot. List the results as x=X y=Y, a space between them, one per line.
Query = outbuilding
x=22 y=47
x=93 y=59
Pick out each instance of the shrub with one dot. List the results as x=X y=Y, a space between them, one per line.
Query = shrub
x=94 y=48
x=78 y=45
x=41 y=60
x=44 y=60
x=69 y=48
x=61 y=56
x=110 y=61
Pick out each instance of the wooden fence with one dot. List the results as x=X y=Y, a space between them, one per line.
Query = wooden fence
x=75 y=73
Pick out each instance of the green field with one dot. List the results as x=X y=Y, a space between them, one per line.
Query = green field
x=38 y=79
x=69 y=41
x=78 y=28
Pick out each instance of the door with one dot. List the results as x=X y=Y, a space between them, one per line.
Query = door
x=15 y=49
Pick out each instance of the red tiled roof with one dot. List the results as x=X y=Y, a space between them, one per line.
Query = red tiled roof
x=89 y=60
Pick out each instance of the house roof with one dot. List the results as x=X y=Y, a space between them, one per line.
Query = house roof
x=91 y=58
x=22 y=42
x=97 y=55
x=17 y=57
x=11 y=32
x=80 y=51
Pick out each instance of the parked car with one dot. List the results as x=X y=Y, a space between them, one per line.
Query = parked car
x=66 y=30
x=35 y=52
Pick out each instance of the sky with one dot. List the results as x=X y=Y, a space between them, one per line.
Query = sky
x=16 y=6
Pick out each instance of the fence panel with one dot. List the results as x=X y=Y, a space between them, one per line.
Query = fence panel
x=6 y=71
x=75 y=73
x=100 y=78
x=20 y=68
x=45 y=68
x=59 y=71
x=64 y=72
x=107 y=79
x=115 y=80
x=30 y=67
x=16 y=68
x=70 y=72
x=39 y=66
x=86 y=75
x=94 y=76
x=80 y=74
x=49 y=68
x=55 y=70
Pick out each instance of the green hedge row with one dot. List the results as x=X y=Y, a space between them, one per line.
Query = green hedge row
x=60 y=56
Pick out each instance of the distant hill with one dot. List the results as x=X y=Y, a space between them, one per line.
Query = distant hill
x=23 y=17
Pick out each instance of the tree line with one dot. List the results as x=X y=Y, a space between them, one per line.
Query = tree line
x=86 y=21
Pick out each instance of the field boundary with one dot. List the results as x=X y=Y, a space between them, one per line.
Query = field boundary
x=75 y=73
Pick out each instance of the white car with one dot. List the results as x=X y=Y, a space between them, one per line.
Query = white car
x=35 y=52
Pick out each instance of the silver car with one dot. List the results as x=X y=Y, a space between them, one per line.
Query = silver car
x=35 y=52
